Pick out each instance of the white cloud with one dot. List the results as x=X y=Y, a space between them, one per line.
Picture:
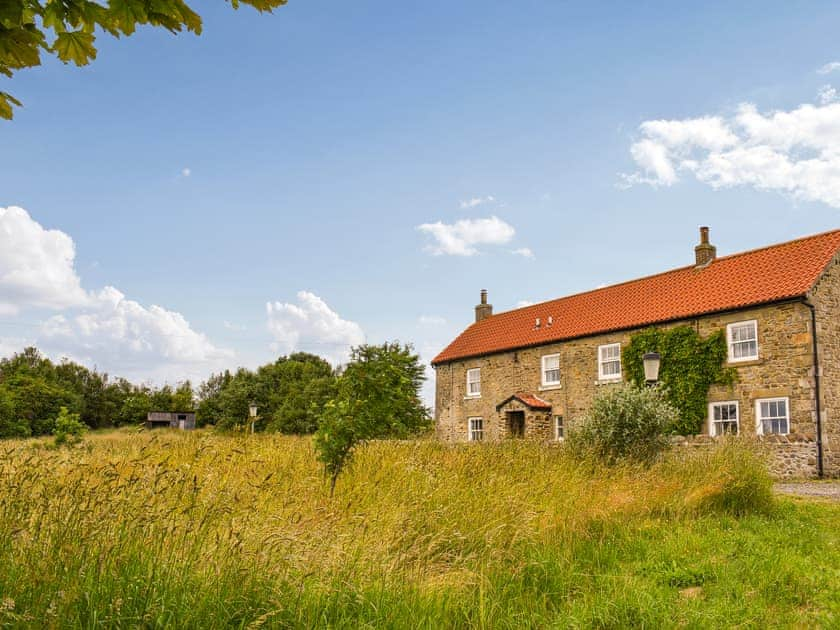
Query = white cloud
x=829 y=67
x=524 y=303
x=796 y=152
x=477 y=201
x=96 y=328
x=36 y=265
x=462 y=237
x=311 y=325
x=431 y=320
x=186 y=172
x=115 y=331
x=525 y=252
x=827 y=94
x=234 y=327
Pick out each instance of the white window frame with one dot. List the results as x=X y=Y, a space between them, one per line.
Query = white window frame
x=471 y=394
x=601 y=363
x=475 y=433
x=559 y=428
x=730 y=344
x=720 y=403
x=543 y=370
x=759 y=421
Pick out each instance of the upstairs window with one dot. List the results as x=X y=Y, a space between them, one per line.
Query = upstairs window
x=609 y=362
x=474 y=382
x=476 y=429
x=559 y=429
x=551 y=369
x=723 y=418
x=772 y=416
x=743 y=341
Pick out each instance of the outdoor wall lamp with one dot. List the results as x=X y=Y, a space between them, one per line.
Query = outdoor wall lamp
x=652 y=361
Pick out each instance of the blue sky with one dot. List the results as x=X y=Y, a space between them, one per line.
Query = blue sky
x=318 y=139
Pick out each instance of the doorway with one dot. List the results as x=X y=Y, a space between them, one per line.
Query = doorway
x=516 y=424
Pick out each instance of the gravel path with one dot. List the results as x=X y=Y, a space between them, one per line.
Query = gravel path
x=813 y=489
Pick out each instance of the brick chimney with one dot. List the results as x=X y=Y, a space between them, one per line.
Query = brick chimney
x=483 y=310
x=705 y=252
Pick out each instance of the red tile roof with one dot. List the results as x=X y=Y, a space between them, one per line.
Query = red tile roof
x=769 y=274
x=529 y=400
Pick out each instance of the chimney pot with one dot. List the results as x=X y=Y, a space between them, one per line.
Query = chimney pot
x=483 y=310
x=705 y=252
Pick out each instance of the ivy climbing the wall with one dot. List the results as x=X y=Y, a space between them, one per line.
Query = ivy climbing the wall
x=690 y=366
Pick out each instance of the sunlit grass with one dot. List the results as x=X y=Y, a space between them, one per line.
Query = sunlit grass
x=199 y=530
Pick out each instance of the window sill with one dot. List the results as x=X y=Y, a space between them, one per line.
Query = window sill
x=608 y=381
x=472 y=397
x=744 y=363
x=548 y=388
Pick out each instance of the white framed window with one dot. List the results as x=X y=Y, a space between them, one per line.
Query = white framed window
x=742 y=338
x=559 y=428
x=475 y=431
x=772 y=415
x=724 y=418
x=609 y=362
x=474 y=382
x=551 y=370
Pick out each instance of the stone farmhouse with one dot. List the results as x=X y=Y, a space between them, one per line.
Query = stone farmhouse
x=531 y=371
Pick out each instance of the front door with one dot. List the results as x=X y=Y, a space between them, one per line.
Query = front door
x=516 y=424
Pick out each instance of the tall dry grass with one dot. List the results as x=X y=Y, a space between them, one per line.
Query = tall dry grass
x=198 y=529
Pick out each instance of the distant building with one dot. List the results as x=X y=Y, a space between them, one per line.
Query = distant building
x=183 y=420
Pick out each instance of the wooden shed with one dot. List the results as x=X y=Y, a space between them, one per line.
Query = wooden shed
x=183 y=420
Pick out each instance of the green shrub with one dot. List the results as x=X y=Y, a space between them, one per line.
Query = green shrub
x=68 y=428
x=624 y=423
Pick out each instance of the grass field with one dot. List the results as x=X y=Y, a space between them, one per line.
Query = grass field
x=198 y=530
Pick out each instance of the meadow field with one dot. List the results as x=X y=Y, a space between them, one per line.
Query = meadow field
x=198 y=530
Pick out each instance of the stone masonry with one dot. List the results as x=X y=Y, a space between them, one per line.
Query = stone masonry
x=826 y=299
x=784 y=369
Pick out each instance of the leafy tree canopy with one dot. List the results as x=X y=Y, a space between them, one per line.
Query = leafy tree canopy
x=378 y=396
x=33 y=390
x=68 y=28
x=290 y=395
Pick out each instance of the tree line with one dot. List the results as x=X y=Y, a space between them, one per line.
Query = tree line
x=33 y=389
x=295 y=394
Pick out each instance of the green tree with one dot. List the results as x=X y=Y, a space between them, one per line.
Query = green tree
x=10 y=425
x=302 y=383
x=135 y=406
x=68 y=429
x=209 y=408
x=183 y=398
x=378 y=396
x=36 y=390
x=68 y=28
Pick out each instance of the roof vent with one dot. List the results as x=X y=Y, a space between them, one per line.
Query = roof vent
x=550 y=320
x=537 y=323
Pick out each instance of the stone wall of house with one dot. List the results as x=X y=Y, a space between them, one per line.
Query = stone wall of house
x=783 y=369
x=826 y=299
x=786 y=458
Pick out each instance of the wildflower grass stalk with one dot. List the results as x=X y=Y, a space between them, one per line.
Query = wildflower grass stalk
x=201 y=530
